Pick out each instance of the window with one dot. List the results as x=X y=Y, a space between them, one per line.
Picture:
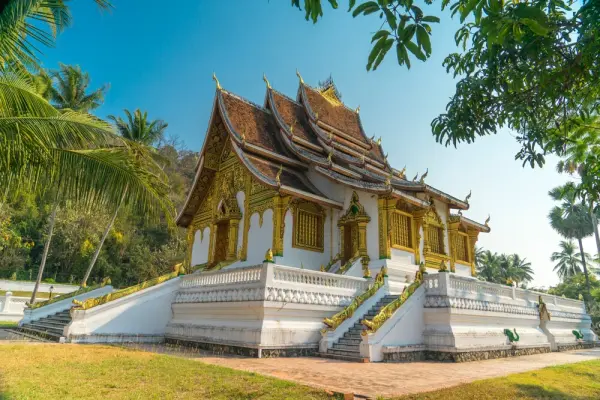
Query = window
x=435 y=238
x=308 y=227
x=461 y=245
x=402 y=230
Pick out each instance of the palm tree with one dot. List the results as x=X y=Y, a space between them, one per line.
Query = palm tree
x=70 y=90
x=572 y=221
x=568 y=263
x=138 y=129
x=519 y=269
x=489 y=266
x=140 y=134
x=580 y=151
x=25 y=25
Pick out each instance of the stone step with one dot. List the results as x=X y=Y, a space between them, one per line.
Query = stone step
x=340 y=352
x=352 y=336
x=40 y=333
x=53 y=322
x=349 y=342
x=343 y=358
x=45 y=328
x=354 y=347
x=66 y=319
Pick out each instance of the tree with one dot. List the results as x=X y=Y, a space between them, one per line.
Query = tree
x=70 y=90
x=503 y=268
x=568 y=263
x=572 y=221
x=143 y=133
x=575 y=286
x=489 y=266
x=25 y=25
x=518 y=269
x=527 y=65
x=581 y=159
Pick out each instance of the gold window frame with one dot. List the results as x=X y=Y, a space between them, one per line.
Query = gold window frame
x=462 y=236
x=410 y=233
x=300 y=233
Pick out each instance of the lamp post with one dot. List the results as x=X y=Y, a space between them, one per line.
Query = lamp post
x=51 y=289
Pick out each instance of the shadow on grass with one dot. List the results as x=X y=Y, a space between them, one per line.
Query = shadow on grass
x=539 y=392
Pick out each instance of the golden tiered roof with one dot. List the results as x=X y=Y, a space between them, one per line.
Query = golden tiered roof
x=280 y=141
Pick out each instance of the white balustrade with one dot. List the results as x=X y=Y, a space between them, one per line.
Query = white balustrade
x=455 y=286
x=317 y=278
x=11 y=307
x=270 y=282
x=249 y=274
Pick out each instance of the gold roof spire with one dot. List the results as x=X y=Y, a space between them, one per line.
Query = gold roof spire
x=266 y=81
x=424 y=176
x=357 y=109
x=379 y=141
x=299 y=76
x=217 y=81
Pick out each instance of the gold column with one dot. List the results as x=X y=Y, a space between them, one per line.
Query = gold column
x=342 y=236
x=362 y=238
x=384 y=243
x=248 y=190
x=452 y=235
x=473 y=236
x=232 y=239
x=280 y=205
x=211 y=244
x=418 y=222
x=190 y=245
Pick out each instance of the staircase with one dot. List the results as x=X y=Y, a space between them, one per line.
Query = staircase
x=49 y=328
x=347 y=348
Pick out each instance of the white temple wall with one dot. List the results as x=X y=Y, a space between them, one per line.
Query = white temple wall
x=463 y=270
x=301 y=258
x=200 y=247
x=260 y=238
x=402 y=256
x=331 y=189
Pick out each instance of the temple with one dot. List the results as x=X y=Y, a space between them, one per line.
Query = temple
x=301 y=178
x=304 y=240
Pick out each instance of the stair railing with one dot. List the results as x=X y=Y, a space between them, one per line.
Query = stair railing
x=105 y=281
x=386 y=312
x=335 y=321
x=97 y=301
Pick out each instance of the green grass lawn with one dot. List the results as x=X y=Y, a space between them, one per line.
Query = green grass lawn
x=571 y=381
x=8 y=324
x=42 y=371
x=105 y=372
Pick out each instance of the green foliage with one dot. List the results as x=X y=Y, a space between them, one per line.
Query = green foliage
x=502 y=268
x=527 y=65
x=68 y=90
x=568 y=260
x=574 y=287
x=137 y=249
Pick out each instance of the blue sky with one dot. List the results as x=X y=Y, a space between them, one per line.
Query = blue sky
x=161 y=59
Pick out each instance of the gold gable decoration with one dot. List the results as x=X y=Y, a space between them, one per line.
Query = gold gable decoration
x=353 y=231
x=462 y=244
x=434 y=247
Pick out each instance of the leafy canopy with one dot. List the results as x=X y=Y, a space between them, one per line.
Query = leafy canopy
x=528 y=65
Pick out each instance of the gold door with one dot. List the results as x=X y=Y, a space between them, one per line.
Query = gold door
x=350 y=241
x=221 y=242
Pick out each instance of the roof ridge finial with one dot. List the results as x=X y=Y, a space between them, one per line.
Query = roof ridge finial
x=416 y=177
x=403 y=172
x=379 y=141
x=266 y=81
x=468 y=197
x=424 y=176
x=487 y=221
x=357 y=109
x=299 y=76
x=217 y=81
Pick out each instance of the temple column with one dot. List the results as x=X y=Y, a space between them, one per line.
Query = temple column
x=418 y=222
x=384 y=229
x=280 y=206
x=473 y=237
x=211 y=244
x=452 y=235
